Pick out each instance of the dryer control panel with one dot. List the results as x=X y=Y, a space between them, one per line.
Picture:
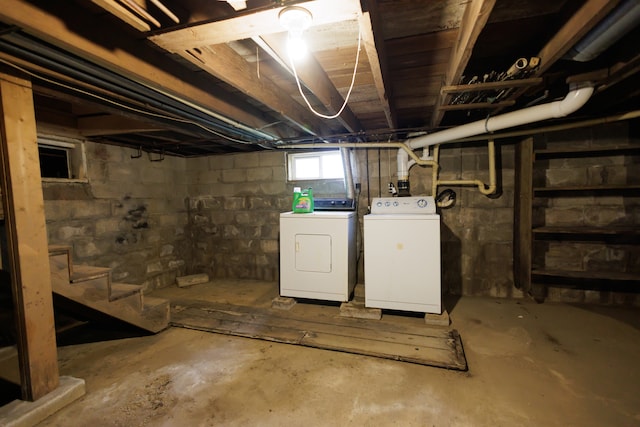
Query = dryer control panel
x=420 y=205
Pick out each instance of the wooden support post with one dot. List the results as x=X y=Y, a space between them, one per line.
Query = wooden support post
x=523 y=223
x=27 y=238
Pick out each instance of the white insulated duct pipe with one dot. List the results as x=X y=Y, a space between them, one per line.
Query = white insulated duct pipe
x=574 y=100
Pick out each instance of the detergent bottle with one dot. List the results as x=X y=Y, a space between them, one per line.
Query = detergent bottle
x=302 y=200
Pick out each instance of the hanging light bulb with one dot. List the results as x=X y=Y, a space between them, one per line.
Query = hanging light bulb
x=296 y=47
x=295 y=20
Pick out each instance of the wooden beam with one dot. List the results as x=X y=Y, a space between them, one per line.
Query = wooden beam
x=523 y=216
x=374 y=47
x=27 y=238
x=313 y=77
x=475 y=17
x=224 y=63
x=252 y=25
x=113 y=125
x=166 y=11
x=580 y=23
x=504 y=84
x=130 y=58
x=477 y=106
x=122 y=13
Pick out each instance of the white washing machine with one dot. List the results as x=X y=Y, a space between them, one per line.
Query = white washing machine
x=402 y=255
x=318 y=255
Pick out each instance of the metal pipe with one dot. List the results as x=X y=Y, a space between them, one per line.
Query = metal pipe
x=348 y=173
x=400 y=145
x=482 y=187
x=23 y=47
x=624 y=18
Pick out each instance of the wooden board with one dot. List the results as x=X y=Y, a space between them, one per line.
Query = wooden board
x=439 y=347
x=27 y=238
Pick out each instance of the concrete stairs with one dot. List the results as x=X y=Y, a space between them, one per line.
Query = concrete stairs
x=93 y=287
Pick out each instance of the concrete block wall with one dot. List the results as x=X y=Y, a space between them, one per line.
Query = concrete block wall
x=219 y=215
x=129 y=215
x=234 y=204
x=477 y=232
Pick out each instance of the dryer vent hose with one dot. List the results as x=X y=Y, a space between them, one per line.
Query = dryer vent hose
x=446 y=199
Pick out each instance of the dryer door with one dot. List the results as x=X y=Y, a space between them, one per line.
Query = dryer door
x=313 y=253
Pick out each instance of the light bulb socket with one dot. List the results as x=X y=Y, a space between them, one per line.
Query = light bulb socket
x=295 y=19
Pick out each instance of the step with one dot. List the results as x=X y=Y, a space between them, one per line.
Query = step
x=83 y=273
x=123 y=290
x=59 y=249
x=157 y=314
x=153 y=316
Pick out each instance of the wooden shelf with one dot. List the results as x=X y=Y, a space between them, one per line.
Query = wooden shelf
x=532 y=244
x=612 y=234
x=612 y=280
x=586 y=151
x=588 y=190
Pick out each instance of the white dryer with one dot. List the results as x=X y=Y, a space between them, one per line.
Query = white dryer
x=402 y=255
x=318 y=255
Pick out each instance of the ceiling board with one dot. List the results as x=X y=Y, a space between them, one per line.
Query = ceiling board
x=246 y=90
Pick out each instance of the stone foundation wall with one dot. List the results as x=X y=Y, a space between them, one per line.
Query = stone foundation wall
x=477 y=232
x=234 y=205
x=129 y=216
x=235 y=202
x=219 y=215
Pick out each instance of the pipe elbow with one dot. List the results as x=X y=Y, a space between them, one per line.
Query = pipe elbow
x=573 y=101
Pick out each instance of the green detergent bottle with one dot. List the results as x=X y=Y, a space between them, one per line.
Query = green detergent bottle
x=302 y=200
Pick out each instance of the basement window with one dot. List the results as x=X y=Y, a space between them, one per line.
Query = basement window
x=61 y=159
x=315 y=165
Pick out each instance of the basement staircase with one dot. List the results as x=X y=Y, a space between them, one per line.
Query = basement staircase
x=93 y=288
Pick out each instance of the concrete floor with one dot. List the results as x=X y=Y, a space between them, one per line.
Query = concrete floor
x=529 y=365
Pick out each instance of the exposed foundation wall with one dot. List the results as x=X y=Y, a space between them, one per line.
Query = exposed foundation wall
x=235 y=202
x=234 y=205
x=477 y=232
x=129 y=215
x=219 y=215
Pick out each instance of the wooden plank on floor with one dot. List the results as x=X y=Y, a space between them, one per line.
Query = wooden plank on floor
x=424 y=345
x=441 y=357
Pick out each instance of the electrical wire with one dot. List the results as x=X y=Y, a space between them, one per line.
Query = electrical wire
x=126 y=107
x=346 y=99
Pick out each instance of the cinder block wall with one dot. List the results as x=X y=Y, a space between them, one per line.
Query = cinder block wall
x=234 y=205
x=235 y=202
x=220 y=215
x=477 y=232
x=129 y=216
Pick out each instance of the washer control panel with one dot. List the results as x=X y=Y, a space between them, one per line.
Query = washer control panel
x=424 y=205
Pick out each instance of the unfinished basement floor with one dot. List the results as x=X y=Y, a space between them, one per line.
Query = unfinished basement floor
x=529 y=365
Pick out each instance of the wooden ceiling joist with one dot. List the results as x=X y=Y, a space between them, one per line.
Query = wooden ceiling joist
x=224 y=63
x=583 y=21
x=475 y=17
x=313 y=77
x=253 y=25
x=379 y=68
x=115 y=51
x=587 y=17
x=113 y=125
x=122 y=13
